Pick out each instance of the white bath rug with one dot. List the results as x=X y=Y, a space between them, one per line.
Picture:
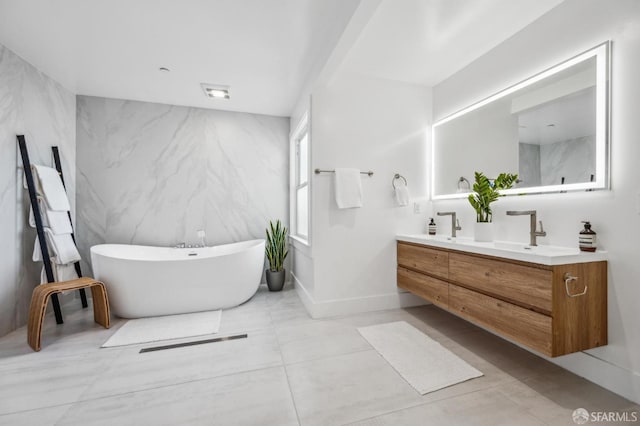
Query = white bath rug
x=421 y=361
x=153 y=329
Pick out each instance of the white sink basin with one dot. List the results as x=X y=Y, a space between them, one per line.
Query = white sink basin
x=542 y=254
x=541 y=250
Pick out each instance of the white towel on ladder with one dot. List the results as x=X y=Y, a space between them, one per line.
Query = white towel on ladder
x=60 y=273
x=61 y=247
x=57 y=221
x=348 y=188
x=49 y=185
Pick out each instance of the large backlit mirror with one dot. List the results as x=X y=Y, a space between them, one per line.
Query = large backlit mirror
x=551 y=129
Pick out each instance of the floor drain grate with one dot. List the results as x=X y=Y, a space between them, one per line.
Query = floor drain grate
x=193 y=343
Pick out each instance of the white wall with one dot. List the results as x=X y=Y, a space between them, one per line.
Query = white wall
x=371 y=124
x=330 y=58
x=154 y=174
x=570 y=28
x=322 y=42
x=38 y=107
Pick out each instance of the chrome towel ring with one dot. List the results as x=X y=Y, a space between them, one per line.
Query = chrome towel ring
x=396 y=177
x=463 y=184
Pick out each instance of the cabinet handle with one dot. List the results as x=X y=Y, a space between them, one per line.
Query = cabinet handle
x=567 y=279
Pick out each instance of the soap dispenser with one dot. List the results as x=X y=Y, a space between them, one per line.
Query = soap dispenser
x=431 y=227
x=587 y=238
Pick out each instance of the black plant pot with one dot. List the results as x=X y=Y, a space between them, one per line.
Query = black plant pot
x=275 y=280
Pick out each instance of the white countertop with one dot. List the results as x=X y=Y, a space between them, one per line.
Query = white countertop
x=542 y=254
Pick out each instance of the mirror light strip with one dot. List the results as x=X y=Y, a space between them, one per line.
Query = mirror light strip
x=601 y=52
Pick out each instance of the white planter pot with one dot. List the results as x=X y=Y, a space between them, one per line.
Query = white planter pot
x=483 y=232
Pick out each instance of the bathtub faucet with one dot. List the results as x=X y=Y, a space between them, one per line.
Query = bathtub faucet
x=202 y=235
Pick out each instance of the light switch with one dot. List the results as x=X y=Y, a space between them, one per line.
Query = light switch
x=416 y=208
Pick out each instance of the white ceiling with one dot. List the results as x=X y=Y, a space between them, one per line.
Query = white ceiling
x=263 y=49
x=570 y=117
x=426 y=41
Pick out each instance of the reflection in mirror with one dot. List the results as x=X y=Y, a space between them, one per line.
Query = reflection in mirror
x=550 y=129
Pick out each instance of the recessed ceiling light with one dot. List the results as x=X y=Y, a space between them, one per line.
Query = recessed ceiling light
x=163 y=69
x=215 y=91
x=218 y=93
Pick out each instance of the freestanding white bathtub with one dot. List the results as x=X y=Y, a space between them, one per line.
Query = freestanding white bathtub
x=147 y=281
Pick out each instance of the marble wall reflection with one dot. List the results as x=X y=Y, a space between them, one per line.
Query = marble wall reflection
x=547 y=164
x=34 y=105
x=529 y=164
x=574 y=160
x=154 y=174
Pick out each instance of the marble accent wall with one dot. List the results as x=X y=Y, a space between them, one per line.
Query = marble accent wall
x=34 y=105
x=575 y=160
x=154 y=174
x=547 y=164
x=529 y=164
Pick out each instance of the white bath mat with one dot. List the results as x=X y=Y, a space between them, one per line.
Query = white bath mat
x=144 y=330
x=420 y=360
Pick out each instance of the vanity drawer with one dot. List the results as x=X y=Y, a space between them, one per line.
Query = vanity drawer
x=431 y=289
x=522 y=325
x=523 y=285
x=429 y=261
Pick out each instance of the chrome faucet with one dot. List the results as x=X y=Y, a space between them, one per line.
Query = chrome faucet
x=533 y=232
x=455 y=223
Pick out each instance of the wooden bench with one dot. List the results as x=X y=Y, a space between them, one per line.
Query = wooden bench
x=40 y=299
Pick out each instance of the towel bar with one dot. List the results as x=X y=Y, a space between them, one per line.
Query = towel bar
x=318 y=171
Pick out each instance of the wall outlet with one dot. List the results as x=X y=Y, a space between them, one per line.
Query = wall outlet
x=416 y=208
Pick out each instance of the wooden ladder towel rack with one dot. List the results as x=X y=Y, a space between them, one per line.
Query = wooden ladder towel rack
x=24 y=153
x=56 y=160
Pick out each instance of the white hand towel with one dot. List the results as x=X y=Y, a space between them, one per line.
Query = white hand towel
x=348 y=188
x=57 y=221
x=61 y=247
x=402 y=195
x=51 y=188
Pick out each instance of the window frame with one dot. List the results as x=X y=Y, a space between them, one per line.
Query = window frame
x=301 y=130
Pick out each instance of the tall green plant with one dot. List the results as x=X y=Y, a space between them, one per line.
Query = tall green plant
x=276 y=246
x=486 y=192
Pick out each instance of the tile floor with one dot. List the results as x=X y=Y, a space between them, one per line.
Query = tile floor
x=290 y=370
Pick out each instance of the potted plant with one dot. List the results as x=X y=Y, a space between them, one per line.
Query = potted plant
x=276 y=251
x=486 y=191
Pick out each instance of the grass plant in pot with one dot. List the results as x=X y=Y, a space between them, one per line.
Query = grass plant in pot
x=486 y=191
x=276 y=251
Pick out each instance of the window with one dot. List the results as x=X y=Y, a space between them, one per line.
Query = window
x=300 y=181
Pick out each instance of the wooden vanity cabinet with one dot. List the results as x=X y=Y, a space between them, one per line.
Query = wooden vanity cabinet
x=526 y=302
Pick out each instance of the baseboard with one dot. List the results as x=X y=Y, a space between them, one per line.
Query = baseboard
x=339 y=307
x=618 y=380
x=304 y=295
